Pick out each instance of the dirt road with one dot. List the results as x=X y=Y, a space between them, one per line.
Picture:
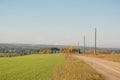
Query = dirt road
x=110 y=70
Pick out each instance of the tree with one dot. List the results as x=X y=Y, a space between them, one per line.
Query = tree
x=47 y=51
x=72 y=49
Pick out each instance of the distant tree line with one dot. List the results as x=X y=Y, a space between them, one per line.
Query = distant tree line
x=9 y=52
x=70 y=49
x=17 y=51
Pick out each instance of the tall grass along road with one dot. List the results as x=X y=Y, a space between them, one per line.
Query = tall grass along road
x=110 y=70
x=76 y=69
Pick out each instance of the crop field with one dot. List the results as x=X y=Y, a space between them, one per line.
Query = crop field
x=46 y=67
x=32 y=67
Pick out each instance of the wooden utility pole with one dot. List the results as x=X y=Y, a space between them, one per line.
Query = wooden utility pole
x=78 y=47
x=84 y=44
x=95 y=40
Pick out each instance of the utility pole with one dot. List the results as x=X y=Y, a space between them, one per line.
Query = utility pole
x=95 y=40
x=78 y=47
x=84 y=44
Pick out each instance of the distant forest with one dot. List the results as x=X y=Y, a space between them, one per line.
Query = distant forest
x=9 y=50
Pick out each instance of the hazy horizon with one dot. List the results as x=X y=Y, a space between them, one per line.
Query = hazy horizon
x=63 y=22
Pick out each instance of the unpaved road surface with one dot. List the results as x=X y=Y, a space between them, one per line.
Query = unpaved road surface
x=110 y=70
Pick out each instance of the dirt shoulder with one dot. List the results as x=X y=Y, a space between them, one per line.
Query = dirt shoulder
x=110 y=70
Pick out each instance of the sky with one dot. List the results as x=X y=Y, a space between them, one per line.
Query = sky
x=60 y=22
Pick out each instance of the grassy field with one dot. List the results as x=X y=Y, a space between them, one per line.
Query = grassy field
x=33 y=67
x=111 y=57
x=46 y=67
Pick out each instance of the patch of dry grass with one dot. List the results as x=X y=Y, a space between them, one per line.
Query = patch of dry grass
x=111 y=57
x=75 y=69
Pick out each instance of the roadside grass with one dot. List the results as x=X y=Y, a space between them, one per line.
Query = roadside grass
x=111 y=57
x=32 y=67
x=76 y=69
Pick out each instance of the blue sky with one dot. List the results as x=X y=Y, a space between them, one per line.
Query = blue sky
x=60 y=22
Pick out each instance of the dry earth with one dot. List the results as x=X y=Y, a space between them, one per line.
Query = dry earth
x=108 y=69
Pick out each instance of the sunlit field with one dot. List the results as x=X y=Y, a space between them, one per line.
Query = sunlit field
x=33 y=67
x=46 y=67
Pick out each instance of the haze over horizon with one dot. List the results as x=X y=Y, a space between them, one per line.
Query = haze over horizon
x=60 y=22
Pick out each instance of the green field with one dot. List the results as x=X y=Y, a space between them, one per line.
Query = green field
x=32 y=67
x=46 y=67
